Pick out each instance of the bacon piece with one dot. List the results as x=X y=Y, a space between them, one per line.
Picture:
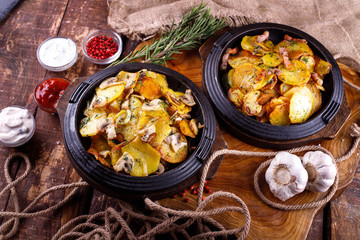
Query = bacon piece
x=289 y=38
x=285 y=55
x=225 y=57
x=317 y=79
x=263 y=37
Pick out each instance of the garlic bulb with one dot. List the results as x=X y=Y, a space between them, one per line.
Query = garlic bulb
x=286 y=176
x=321 y=171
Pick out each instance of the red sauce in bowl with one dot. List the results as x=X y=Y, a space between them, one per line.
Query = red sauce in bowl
x=48 y=92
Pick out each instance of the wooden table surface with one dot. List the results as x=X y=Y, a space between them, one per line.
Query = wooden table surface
x=27 y=25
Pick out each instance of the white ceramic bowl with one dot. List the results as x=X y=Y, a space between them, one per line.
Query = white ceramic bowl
x=57 y=53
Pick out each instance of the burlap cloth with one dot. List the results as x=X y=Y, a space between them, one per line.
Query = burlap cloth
x=336 y=24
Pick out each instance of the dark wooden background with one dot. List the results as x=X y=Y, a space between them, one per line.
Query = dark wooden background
x=27 y=25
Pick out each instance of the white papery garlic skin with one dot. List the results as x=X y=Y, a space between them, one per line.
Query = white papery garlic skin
x=321 y=170
x=286 y=176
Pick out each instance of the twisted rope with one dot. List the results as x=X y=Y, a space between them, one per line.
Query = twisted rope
x=9 y=228
x=113 y=224
x=163 y=220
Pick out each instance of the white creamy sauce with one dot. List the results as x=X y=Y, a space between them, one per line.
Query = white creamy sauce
x=57 y=52
x=16 y=124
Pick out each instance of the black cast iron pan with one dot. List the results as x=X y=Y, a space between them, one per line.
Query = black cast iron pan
x=124 y=186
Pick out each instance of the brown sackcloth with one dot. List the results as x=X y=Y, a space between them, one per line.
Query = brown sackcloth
x=336 y=24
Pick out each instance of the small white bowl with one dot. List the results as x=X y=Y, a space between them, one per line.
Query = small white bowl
x=57 y=53
x=103 y=32
x=24 y=139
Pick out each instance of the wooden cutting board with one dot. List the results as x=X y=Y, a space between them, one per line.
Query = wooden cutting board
x=236 y=173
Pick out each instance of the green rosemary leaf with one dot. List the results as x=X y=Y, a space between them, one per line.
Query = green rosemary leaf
x=195 y=27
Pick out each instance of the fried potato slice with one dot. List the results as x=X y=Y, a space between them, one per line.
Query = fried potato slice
x=100 y=149
x=146 y=158
x=129 y=79
x=114 y=106
x=272 y=59
x=135 y=105
x=280 y=115
x=163 y=129
x=229 y=78
x=297 y=75
x=115 y=153
x=149 y=88
x=129 y=130
x=174 y=99
x=316 y=96
x=309 y=62
x=159 y=78
x=275 y=102
x=236 y=97
x=246 y=77
x=295 y=49
x=109 y=94
x=251 y=44
x=322 y=68
x=250 y=106
x=301 y=105
x=89 y=125
x=185 y=128
x=284 y=88
x=166 y=148
x=243 y=57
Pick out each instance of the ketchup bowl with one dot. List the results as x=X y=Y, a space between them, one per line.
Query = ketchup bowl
x=48 y=91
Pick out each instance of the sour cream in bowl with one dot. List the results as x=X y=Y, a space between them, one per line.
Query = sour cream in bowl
x=17 y=126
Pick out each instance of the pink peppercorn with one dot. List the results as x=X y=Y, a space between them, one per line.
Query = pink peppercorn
x=101 y=47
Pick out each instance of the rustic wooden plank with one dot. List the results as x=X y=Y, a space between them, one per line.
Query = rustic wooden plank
x=345 y=212
x=316 y=230
x=80 y=18
x=20 y=34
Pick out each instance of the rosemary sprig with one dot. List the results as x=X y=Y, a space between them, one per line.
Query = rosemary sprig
x=195 y=27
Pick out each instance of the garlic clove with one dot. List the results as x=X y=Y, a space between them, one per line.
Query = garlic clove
x=321 y=169
x=286 y=176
